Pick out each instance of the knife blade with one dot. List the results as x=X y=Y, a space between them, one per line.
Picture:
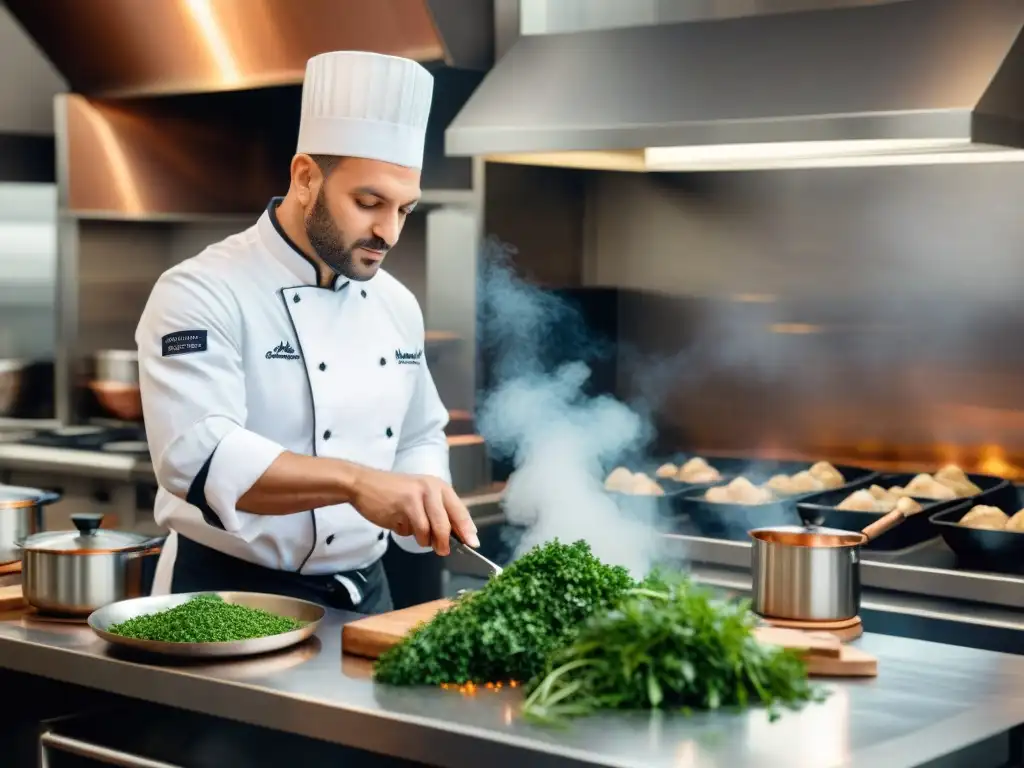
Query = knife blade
x=465 y=549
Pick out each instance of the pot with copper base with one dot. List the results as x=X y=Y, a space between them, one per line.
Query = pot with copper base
x=72 y=573
x=809 y=578
x=21 y=515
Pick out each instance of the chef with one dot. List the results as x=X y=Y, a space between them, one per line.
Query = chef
x=292 y=421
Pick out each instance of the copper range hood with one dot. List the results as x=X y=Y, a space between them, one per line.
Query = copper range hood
x=128 y=48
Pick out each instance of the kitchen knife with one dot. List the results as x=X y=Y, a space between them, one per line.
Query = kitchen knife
x=464 y=549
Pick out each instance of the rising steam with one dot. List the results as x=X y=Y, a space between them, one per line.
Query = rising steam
x=561 y=441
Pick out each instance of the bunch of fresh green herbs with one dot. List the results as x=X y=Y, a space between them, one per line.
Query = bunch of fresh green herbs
x=507 y=630
x=205 y=619
x=668 y=644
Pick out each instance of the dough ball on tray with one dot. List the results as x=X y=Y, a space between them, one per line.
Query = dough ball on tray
x=860 y=501
x=739 y=491
x=907 y=506
x=954 y=478
x=781 y=485
x=927 y=487
x=697 y=471
x=646 y=486
x=986 y=518
x=806 y=482
x=829 y=477
x=622 y=480
x=619 y=479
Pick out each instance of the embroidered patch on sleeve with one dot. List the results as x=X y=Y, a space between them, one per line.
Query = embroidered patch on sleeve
x=183 y=342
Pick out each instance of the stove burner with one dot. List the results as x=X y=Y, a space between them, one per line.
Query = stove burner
x=126 y=446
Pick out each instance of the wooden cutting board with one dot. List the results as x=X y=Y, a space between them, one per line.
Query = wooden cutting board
x=371 y=636
x=11 y=598
x=824 y=653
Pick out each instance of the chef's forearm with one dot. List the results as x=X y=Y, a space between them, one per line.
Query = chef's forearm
x=296 y=483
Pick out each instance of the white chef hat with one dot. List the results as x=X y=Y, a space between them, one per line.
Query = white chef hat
x=359 y=104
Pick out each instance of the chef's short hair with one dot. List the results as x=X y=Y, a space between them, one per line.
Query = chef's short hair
x=326 y=163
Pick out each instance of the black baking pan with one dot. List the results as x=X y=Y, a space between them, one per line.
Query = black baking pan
x=995 y=491
x=977 y=549
x=820 y=509
x=667 y=506
x=644 y=505
x=733 y=521
x=726 y=467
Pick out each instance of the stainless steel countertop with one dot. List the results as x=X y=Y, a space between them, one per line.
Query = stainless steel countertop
x=928 y=701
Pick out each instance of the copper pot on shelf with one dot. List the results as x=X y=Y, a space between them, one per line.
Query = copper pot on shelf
x=115 y=383
x=12 y=377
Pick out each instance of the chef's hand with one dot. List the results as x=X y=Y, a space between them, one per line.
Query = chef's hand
x=417 y=505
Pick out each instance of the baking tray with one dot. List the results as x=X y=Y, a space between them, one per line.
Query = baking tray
x=820 y=509
x=976 y=549
x=733 y=521
x=103 y=618
x=667 y=506
x=647 y=505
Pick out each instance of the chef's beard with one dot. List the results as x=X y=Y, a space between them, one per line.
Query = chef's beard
x=328 y=243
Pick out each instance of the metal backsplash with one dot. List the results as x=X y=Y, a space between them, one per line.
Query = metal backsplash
x=869 y=314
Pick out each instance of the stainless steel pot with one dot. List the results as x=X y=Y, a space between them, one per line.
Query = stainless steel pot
x=119 y=366
x=811 y=574
x=21 y=515
x=76 y=572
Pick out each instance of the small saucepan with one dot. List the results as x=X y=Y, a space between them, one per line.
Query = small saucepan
x=21 y=515
x=76 y=572
x=811 y=574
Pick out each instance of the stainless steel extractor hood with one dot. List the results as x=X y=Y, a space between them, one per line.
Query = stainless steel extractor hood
x=128 y=48
x=918 y=81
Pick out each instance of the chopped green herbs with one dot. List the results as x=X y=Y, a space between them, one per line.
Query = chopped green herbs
x=205 y=619
x=584 y=637
x=507 y=630
x=669 y=645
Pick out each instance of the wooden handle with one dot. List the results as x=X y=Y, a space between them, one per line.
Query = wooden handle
x=883 y=524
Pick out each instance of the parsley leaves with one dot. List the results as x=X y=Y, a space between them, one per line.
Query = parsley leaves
x=583 y=636
x=507 y=630
x=671 y=645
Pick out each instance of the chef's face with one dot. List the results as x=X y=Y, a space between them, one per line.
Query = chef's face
x=358 y=213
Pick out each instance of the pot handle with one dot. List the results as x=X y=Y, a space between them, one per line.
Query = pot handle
x=48 y=497
x=883 y=524
x=151 y=546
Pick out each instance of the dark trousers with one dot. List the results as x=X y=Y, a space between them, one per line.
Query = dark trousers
x=198 y=568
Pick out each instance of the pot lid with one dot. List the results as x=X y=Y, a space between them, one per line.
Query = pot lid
x=17 y=497
x=88 y=539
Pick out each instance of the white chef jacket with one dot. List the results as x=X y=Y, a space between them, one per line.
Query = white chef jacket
x=244 y=353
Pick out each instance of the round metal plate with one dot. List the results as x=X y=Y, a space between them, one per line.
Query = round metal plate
x=103 y=618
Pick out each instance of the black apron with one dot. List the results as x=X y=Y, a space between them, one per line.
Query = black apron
x=198 y=568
